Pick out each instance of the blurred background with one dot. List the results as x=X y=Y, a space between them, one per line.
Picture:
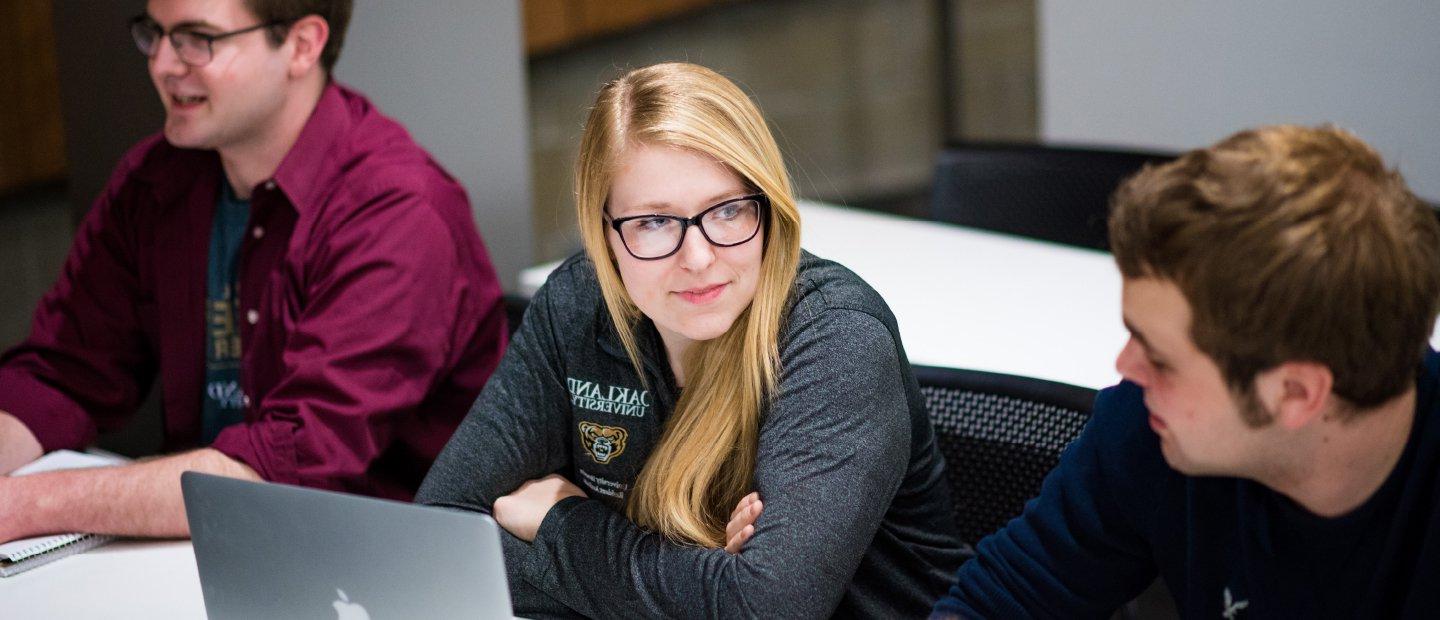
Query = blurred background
x=862 y=94
x=898 y=106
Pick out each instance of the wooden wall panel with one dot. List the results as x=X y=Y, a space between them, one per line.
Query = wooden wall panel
x=553 y=25
x=32 y=139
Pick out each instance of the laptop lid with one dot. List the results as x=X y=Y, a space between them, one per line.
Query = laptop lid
x=279 y=551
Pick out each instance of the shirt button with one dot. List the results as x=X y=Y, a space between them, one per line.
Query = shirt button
x=245 y=401
x=258 y=232
x=252 y=316
x=269 y=185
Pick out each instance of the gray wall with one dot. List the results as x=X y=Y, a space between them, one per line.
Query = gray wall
x=1181 y=75
x=453 y=71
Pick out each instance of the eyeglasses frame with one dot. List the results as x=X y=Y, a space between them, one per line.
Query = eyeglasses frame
x=209 y=39
x=687 y=222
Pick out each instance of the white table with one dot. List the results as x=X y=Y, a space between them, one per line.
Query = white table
x=121 y=580
x=966 y=298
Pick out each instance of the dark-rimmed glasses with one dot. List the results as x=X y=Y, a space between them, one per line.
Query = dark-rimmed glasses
x=193 y=48
x=728 y=224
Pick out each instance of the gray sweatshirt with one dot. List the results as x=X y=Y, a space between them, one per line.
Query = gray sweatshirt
x=857 y=514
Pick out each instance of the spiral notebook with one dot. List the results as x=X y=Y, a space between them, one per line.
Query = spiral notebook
x=21 y=555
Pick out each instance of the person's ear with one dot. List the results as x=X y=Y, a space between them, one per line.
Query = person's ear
x=1298 y=393
x=307 y=37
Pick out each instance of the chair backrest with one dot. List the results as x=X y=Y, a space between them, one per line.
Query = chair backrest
x=515 y=305
x=1051 y=193
x=1000 y=435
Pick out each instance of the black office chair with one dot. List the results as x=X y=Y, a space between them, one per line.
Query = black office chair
x=1000 y=435
x=1051 y=193
x=514 y=309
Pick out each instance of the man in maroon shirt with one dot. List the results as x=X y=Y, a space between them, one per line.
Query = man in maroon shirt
x=367 y=314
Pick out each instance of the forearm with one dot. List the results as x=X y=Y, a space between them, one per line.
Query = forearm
x=141 y=499
x=797 y=565
x=18 y=444
x=600 y=564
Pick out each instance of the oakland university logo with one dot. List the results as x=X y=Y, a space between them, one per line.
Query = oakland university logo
x=602 y=443
x=603 y=398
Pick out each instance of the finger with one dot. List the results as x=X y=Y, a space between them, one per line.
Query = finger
x=732 y=544
x=740 y=505
x=744 y=537
x=744 y=501
x=744 y=517
x=734 y=526
x=737 y=542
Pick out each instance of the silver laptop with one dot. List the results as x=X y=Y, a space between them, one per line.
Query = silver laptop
x=280 y=551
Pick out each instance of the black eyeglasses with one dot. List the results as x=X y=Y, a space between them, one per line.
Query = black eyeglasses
x=193 y=48
x=730 y=223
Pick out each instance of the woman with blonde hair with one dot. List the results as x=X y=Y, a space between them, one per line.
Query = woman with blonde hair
x=697 y=418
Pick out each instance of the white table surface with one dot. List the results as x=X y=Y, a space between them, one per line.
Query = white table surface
x=122 y=580
x=966 y=298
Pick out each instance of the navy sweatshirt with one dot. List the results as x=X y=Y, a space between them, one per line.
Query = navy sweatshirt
x=1113 y=514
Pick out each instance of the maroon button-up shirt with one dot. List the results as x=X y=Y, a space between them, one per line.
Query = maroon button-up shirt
x=370 y=314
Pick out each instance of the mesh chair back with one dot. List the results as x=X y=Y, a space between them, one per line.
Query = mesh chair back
x=515 y=306
x=1050 y=193
x=1000 y=435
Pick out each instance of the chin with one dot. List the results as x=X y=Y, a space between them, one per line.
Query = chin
x=187 y=136
x=1175 y=460
x=180 y=139
x=706 y=329
x=702 y=335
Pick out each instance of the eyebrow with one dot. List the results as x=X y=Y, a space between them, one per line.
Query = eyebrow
x=189 y=24
x=194 y=25
x=712 y=201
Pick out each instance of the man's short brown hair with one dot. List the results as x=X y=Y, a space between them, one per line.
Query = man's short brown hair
x=335 y=12
x=1290 y=244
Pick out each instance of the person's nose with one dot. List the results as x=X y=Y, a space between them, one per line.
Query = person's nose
x=165 y=62
x=696 y=253
x=1131 y=363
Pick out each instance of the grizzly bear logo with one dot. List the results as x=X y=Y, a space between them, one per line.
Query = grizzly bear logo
x=602 y=443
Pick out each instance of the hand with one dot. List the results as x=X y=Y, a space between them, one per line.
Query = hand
x=521 y=512
x=742 y=522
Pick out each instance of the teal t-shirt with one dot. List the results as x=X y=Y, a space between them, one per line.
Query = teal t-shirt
x=224 y=402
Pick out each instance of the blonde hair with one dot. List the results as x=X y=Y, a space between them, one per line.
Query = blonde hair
x=705 y=460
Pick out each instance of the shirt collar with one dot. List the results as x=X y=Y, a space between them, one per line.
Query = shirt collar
x=312 y=159
x=301 y=174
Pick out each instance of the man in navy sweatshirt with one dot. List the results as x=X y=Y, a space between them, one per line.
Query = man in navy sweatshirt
x=1274 y=450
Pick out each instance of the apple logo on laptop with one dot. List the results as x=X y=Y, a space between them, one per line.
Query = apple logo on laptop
x=345 y=610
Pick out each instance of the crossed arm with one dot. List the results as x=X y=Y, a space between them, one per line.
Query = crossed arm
x=593 y=560
x=522 y=511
